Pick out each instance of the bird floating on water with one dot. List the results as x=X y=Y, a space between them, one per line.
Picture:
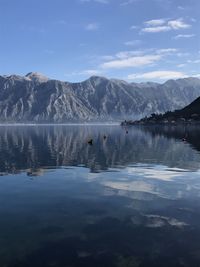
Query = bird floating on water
x=90 y=141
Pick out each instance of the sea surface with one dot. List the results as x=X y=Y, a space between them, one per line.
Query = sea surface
x=129 y=199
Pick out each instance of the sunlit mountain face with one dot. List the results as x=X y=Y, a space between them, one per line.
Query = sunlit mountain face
x=130 y=197
x=38 y=99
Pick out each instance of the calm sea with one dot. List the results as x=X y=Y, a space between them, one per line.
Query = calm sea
x=129 y=199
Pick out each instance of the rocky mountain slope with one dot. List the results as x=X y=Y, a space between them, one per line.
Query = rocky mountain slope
x=35 y=98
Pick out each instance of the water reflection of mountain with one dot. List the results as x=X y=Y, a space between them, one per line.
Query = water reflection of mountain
x=188 y=133
x=38 y=147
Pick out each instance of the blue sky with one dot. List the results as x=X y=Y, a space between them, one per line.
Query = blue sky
x=134 y=40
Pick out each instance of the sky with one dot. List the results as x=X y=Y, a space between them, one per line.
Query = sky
x=71 y=40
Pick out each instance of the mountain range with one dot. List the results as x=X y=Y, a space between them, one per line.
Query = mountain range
x=36 y=98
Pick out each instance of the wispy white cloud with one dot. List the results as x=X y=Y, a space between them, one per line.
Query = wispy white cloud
x=107 y=57
x=163 y=25
x=180 y=36
x=92 y=27
x=178 y=24
x=136 y=58
x=196 y=61
x=156 y=29
x=193 y=19
x=160 y=75
x=183 y=54
x=189 y=61
x=134 y=61
x=133 y=42
x=89 y=72
x=155 y=22
x=127 y=54
x=181 y=65
x=181 y=7
x=134 y=27
x=196 y=75
x=166 y=51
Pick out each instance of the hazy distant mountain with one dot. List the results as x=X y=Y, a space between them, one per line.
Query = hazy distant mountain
x=36 y=98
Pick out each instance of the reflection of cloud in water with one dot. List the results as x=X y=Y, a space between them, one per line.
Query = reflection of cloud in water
x=135 y=190
x=161 y=221
x=156 y=172
x=126 y=175
x=159 y=181
x=131 y=186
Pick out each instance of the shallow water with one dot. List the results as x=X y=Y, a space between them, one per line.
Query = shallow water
x=130 y=199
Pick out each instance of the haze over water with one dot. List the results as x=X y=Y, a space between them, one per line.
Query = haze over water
x=131 y=199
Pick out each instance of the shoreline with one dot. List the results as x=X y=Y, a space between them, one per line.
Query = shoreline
x=192 y=123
